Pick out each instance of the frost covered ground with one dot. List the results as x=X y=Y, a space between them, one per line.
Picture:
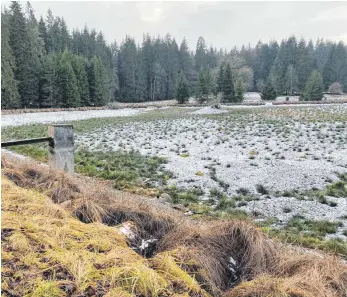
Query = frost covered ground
x=282 y=149
x=64 y=116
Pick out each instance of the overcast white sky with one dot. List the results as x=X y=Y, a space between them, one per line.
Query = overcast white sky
x=224 y=24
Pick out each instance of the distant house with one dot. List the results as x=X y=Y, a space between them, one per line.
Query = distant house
x=290 y=98
x=252 y=97
x=329 y=96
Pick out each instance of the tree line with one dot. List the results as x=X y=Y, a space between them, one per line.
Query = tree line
x=43 y=64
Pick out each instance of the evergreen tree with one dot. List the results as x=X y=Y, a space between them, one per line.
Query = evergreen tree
x=64 y=35
x=140 y=91
x=182 y=89
x=220 y=78
x=228 y=85
x=43 y=34
x=212 y=58
x=201 y=57
x=80 y=70
x=36 y=53
x=20 y=42
x=269 y=91
x=239 y=91
x=291 y=80
x=287 y=54
x=267 y=56
x=148 y=59
x=9 y=92
x=53 y=33
x=321 y=53
x=127 y=60
x=335 y=69
x=48 y=91
x=203 y=87
x=67 y=93
x=314 y=87
x=208 y=81
x=185 y=60
x=98 y=83
x=304 y=65
x=114 y=79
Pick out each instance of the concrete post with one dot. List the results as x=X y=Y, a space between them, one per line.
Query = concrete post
x=61 y=151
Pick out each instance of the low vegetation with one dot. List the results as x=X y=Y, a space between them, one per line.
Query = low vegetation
x=130 y=171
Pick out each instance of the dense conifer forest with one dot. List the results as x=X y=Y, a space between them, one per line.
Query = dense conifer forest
x=44 y=64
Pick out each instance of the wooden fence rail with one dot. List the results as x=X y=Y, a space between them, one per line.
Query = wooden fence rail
x=61 y=146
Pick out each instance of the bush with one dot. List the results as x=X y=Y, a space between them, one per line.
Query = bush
x=261 y=189
x=335 y=88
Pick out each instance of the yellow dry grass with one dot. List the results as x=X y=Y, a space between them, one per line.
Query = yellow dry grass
x=48 y=252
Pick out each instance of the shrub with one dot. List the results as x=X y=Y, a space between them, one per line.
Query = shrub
x=261 y=189
x=335 y=88
x=242 y=191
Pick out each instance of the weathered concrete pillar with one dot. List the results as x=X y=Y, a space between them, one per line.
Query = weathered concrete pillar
x=61 y=151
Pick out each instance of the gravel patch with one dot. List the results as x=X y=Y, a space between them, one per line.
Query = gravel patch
x=311 y=210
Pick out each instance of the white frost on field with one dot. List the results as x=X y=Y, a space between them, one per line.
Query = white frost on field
x=309 y=209
x=279 y=152
x=209 y=110
x=65 y=116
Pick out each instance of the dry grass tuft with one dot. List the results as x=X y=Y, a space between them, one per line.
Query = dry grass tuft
x=298 y=275
x=213 y=245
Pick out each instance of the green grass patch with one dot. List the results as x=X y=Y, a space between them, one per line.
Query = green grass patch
x=183 y=196
x=315 y=228
x=38 y=152
x=225 y=203
x=336 y=189
x=126 y=170
x=231 y=214
x=335 y=246
x=308 y=234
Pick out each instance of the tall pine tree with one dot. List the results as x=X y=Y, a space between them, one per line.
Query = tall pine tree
x=48 y=90
x=228 y=85
x=314 y=87
x=68 y=94
x=202 y=91
x=182 y=89
x=239 y=91
x=98 y=83
x=335 y=69
x=9 y=92
x=20 y=42
x=80 y=69
x=269 y=91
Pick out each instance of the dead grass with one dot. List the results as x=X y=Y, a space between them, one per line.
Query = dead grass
x=47 y=252
x=298 y=275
